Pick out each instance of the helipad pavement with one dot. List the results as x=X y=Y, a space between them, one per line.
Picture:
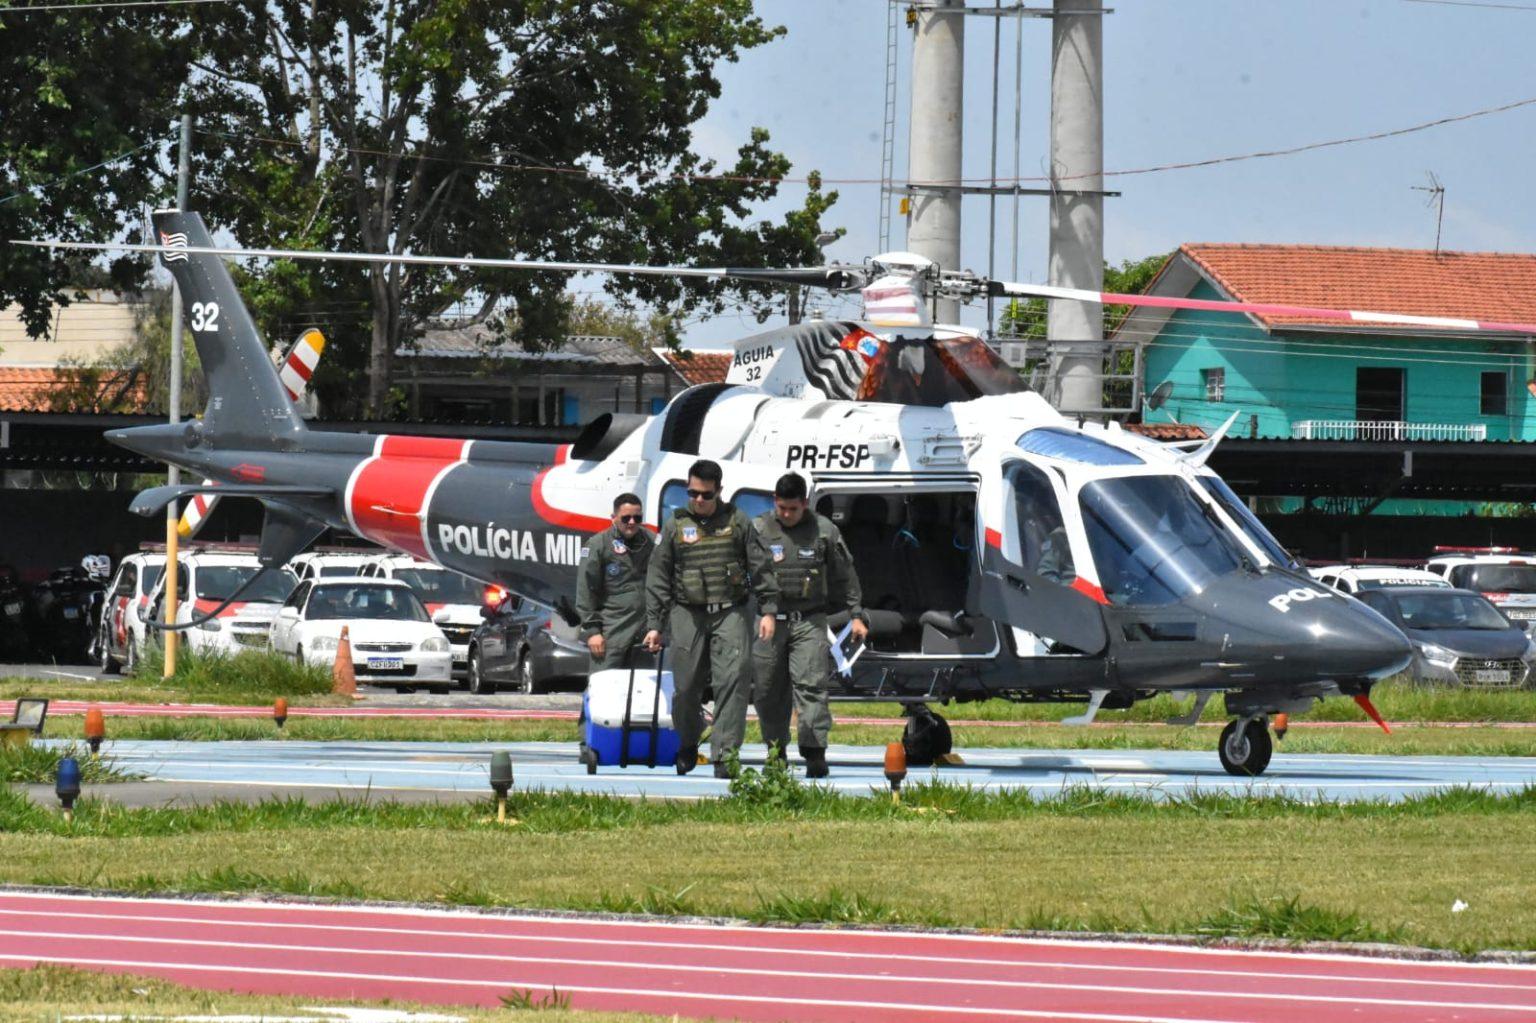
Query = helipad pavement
x=380 y=767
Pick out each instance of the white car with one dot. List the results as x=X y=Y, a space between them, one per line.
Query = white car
x=1505 y=575
x=1355 y=578
x=205 y=579
x=121 y=638
x=451 y=599
x=394 y=642
x=322 y=564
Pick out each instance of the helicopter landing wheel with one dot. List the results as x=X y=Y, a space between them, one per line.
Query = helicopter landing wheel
x=1245 y=747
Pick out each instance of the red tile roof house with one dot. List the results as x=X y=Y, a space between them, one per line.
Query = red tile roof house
x=1304 y=378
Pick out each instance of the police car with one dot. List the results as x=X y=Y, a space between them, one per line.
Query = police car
x=452 y=600
x=1355 y=578
x=1505 y=575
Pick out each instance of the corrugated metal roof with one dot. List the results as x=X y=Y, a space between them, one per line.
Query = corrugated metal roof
x=476 y=342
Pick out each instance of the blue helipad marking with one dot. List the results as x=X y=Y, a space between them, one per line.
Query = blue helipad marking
x=457 y=767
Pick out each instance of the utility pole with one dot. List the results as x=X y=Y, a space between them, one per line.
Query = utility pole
x=173 y=510
x=1076 y=329
x=933 y=166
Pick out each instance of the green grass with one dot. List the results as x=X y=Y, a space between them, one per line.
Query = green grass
x=249 y=677
x=779 y=851
x=48 y=993
x=38 y=764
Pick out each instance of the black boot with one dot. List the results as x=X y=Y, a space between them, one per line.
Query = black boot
x=723 y=769
x=815 y=758
x=687 y=759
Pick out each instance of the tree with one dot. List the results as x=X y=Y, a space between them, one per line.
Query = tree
x=85 y=102
x=1025 y=320
x=536 y=129
x=131 y=378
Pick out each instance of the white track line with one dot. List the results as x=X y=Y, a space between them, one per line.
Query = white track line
x=668 y=994
x=549 y=939
x=812 y=975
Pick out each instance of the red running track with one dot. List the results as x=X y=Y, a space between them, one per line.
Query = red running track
x=750 y=973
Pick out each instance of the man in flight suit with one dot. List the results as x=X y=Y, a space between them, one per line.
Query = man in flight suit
x=610 y=587
x=816 y=576
x=707 y=558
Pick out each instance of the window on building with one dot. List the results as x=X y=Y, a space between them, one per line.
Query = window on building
x=1495 y=394
x=1215 y=383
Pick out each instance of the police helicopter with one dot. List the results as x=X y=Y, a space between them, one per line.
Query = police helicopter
x=1005 y=551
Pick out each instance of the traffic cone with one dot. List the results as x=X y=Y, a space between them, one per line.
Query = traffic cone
x=343 y=678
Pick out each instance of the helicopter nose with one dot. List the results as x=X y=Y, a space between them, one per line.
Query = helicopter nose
x=1291 y=628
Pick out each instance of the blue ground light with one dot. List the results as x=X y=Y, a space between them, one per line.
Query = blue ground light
x=380 y=767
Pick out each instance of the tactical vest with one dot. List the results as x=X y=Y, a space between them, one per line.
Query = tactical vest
x=799 y=561
x=709 y=564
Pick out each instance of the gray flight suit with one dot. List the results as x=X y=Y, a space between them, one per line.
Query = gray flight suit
x=697 y=584
x=816 y=577
x=610 y=594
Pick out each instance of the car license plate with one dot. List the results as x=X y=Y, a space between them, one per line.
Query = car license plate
x=13 y=609
x=71 y=612
x=1490 y=675
x=385 y=663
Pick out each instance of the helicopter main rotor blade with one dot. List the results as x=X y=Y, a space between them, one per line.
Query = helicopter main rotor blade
x=834 y=277
x=1014 y=288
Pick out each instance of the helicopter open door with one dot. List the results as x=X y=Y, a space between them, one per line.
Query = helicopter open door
x=1028 y=571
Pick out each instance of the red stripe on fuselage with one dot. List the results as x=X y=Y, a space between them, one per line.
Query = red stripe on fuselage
x=389 y=490
x=574 y=521
x=1089 y=589
x=994 y=539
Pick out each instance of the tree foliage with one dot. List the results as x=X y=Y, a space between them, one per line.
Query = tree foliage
x=559 y=129
x=1025 y=321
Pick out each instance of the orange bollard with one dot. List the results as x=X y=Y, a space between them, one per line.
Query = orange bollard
x=343 y=678
x=95 y=728
x=280 y=710
x=895 y=768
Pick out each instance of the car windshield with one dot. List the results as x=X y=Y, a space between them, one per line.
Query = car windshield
x=1153 y=541
x=365 y=600
x=1247 y=521
x=334 y=570
x=440 y=586
x=1439 y=610
x=1495 y=578
x=220 y=582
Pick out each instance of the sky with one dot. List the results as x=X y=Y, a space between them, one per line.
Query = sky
x=1184 y=80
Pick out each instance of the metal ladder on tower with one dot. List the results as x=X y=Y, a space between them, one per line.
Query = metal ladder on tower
x=888 y=132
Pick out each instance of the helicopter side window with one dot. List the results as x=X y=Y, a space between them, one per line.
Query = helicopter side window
x=1152 y=540
x=1042 y=533
x=673 y=496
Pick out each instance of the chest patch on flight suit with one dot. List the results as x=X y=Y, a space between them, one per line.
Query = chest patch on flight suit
x=778 y=551
x=618 y=546
x=614 y=568
x=807 y=553
x=689 y=534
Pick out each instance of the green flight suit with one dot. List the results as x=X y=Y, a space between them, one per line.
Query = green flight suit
x=816 y=577
x=697 y=585
x=610 y=594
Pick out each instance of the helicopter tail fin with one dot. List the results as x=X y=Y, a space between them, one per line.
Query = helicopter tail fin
x=247 y=402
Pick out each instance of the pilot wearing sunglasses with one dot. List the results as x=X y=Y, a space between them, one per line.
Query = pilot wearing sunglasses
x=709 y=557
x=610 y=586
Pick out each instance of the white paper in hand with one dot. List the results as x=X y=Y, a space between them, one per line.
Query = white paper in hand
x=840 y=658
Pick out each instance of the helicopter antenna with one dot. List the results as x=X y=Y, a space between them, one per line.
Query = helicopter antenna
x=1436 y=199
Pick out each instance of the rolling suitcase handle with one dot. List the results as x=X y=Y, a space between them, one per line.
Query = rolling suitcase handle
x=655 y=708
x=624 y=726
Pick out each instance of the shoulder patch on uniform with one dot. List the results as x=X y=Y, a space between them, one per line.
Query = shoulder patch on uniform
x=778 y=551
x=689 y=534
x=584 y=552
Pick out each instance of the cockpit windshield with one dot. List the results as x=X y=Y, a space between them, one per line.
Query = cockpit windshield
x=1247 y=521
x=1153 y=541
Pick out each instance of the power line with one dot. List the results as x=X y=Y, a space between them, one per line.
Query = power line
x=84 y=170
x=98 y=6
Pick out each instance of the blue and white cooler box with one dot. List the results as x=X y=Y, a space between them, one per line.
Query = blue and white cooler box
x=603 y=716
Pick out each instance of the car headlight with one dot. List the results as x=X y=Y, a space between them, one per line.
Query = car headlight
x=1437 y=655
x=434 y=645
x=323 y=644
x=213 y=626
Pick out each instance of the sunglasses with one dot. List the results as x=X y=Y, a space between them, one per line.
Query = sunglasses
x=701 y=495
x=630 y=518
